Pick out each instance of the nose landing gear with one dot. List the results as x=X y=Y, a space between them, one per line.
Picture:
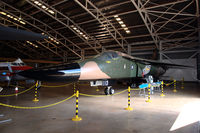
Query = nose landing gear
x=109 y=90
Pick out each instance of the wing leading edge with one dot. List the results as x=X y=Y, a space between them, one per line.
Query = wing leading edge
x=153 y=62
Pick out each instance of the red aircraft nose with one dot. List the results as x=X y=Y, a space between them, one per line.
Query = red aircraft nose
x=21 y=68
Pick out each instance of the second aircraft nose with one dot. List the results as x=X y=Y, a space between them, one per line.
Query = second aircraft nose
x=61 y=73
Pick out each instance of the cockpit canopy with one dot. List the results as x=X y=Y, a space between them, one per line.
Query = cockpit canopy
x=110 y=55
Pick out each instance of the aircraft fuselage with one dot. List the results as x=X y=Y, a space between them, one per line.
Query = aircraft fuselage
x=109 y=65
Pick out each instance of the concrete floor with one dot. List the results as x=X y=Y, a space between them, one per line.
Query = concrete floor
x=99 y=114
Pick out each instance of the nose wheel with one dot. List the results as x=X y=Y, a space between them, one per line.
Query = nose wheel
x=109 y=90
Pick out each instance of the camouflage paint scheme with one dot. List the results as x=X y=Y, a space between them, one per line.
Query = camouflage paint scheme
x=112 y=65
x=107 y=65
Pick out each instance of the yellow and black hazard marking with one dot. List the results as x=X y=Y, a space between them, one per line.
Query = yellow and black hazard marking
x=174 y=90
x=77 y=118
x=36 y=92
x=149 y=93
x=129 y=99
x=162 y=90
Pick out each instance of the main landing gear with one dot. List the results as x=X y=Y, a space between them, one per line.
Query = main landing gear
x=109 y=90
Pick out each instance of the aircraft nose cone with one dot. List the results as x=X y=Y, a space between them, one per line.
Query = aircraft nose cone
x=61 y=73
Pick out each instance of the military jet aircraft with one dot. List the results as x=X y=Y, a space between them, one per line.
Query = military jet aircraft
x=102 y=70
x=8 y=71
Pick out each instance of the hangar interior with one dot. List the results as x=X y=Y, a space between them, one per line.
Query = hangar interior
x=167 y=31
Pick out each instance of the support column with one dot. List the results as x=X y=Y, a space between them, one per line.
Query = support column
x=103 y=49
x=82 y=54
x=160 y=51
x=65 y=57
x=129 y=49
x=198 y=55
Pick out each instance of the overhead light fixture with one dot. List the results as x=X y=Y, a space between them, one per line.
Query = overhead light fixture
x=128 y=31
x=34 y=45
x=36 y=2
x=3 y=13
x=122 y=24
x=13 y=17
x=118 y=19
x=22 y=22
x=51 y=11
x=43 y=6
x=79 y=32
x=53 y=39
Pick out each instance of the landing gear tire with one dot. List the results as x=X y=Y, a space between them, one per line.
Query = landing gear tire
x=106 y=91
x=109 y=91
x=112 y=91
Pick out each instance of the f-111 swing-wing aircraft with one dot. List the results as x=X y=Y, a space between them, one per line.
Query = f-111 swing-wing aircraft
x=102 y=70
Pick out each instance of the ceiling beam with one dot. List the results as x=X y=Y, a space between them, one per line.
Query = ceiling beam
x=59 y=17
x=145 y=17
x=33 y=21
x=98 y=15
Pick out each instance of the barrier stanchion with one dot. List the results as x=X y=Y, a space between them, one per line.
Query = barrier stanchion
x=162 y=94
x=36 y=92
x=174 y=90
x=129 y=99
x=97 y=89
x=76 y=118
x=149 y=91
x=182 y=83
x=16 y=90
x=74 y=88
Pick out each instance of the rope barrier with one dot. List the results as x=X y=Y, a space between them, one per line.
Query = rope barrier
x=56 y=85
x=18 y=93
x=167 y=84
x=37 y=107
x=135 y=89
x=17 y=86
x=88 y=95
